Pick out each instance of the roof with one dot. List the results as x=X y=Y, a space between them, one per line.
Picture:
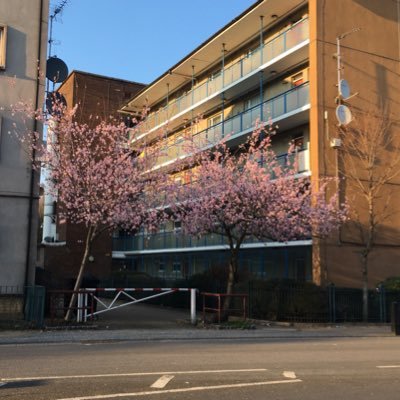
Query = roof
x=90 y=74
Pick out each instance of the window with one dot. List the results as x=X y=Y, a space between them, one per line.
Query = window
x=298 y=142
x=178 y=181
x=177 y=267
x=3 y=46
x=177 y=225
x=178 y=146
x=216 y=119
x=161 y=267
x=297 y=79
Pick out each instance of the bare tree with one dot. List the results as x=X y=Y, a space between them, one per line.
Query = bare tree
x=369 y=161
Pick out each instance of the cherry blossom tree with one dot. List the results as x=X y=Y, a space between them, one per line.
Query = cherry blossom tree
x=249 y=193
x=98 y=178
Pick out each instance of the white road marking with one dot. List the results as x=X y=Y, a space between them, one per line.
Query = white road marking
x=289 y=374
x=388 y=366
x=192 y=389
x=162 y=382
x=218 y=371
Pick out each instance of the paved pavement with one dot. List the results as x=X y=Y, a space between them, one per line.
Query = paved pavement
x=149 y=323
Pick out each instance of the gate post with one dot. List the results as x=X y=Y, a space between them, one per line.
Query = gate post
x=79 y=309
x=85 y=307
x=193 y=318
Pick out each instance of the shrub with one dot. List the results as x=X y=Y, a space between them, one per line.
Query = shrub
x=285 y=299
x=391 y=284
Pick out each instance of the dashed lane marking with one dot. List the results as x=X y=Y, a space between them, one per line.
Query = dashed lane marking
x=162 y=382
x=192 y=389
x=388 y=366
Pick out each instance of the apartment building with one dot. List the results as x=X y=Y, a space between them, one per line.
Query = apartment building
x=276 y=62
x=23 y=43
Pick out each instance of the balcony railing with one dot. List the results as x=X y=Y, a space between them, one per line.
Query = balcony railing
x=276 y=107
x=288 y=39
x=170 y=240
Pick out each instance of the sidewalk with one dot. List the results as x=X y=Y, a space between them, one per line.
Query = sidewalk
x=146 y=323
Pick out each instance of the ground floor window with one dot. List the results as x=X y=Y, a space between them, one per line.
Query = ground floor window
x=290 y=262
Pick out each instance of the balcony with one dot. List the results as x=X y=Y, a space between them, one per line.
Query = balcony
x=271 y=52
x=289 y=109
x=165 y=242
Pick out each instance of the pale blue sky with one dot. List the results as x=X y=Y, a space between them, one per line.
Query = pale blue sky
x=135 y=39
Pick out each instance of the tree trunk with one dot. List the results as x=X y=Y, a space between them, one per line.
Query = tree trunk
x=88 y=244
x=365 y=287
x=367 y=250
x=233 y=267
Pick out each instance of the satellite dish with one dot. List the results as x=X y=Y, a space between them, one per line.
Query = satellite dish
x=344 y=89
x=56 y=70
x=55 y=102
x=343 y=114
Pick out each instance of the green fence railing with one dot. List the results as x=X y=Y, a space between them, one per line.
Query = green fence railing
x=34 y=305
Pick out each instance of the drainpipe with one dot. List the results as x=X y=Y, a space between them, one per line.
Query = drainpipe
x=261 y=38
x=192 y=112
x=261 y=63
x=167 y=110
x=223 y=65
x=223 y=94
x=33 y=155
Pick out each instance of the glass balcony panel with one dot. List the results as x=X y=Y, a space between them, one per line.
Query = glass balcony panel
x=297 y=34
x=185 y=102
x=232 y=126
x=255 y=115
x=292 y=101
x=214 y=134
x=255 y=59
x=133 y=242
x=246 y=65
x=170 y=240
x=232 y=74
x=237 y=71
x=158 y=241
x=246 y=120
x=277 y=107
x=219 y=82
x=173 y=108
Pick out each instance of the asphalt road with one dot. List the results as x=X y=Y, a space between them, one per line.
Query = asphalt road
x=314 y=368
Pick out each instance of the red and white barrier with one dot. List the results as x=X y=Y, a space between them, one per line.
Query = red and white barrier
x=84 y=312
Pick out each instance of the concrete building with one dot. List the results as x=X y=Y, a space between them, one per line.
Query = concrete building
x=278 y=61
x=60 y=255
x=23 y=43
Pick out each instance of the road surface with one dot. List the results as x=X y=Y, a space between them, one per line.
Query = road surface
x=301 y=369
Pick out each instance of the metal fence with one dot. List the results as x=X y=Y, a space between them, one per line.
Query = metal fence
x=11 y=302
x=18 y=303
x=310 y=303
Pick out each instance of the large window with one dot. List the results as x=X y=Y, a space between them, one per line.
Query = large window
x=3 y=46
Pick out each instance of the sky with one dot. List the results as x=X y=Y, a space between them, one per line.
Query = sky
x=136 y=40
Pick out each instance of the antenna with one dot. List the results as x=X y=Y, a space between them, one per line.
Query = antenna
x=57 y=10
x=57 y=70
x=343 y=113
